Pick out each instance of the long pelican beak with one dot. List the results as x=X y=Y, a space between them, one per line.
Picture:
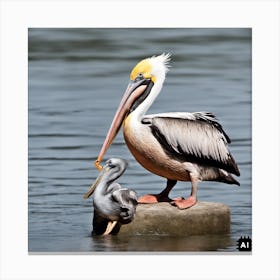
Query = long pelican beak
x=134 y=90
x=95 y=184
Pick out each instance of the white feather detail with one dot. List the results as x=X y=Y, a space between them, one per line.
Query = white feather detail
x=164 y=58
x=160 y=63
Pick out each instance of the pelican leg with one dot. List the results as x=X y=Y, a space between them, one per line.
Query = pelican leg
x=161 y=197
x=110 y=227
x=191 y=200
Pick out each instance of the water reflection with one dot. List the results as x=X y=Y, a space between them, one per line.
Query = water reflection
x=159 y=243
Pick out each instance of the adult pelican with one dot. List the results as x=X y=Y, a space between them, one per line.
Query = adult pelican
x=111 y=202
x=177 y=146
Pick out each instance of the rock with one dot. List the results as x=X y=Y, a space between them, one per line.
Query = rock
x=165 y=219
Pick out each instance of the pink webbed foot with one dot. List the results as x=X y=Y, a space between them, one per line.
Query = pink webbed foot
x=155 y=198
x=185 y=203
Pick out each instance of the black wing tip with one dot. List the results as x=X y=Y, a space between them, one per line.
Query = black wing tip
x=235 y=182
x=234 y=169
x=228 y=178
x=233 y=166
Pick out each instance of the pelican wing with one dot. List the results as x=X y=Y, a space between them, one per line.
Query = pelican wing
x=124 y=196
x=194 y=137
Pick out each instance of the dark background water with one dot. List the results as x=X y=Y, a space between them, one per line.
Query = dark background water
x=76 y=80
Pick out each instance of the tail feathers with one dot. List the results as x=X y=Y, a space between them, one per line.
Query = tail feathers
x=226 y=177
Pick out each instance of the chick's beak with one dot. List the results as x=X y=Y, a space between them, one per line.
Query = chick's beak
x=95 y=183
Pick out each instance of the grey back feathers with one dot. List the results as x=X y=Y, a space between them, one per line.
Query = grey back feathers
x=127 y=201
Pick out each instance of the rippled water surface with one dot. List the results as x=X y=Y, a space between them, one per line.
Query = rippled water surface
x=76 y=80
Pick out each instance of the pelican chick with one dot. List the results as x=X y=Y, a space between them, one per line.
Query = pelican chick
x=110 y=201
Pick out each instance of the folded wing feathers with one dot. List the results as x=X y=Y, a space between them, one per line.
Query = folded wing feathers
x=195 y=136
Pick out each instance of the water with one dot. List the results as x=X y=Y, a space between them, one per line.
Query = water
x=76 y=80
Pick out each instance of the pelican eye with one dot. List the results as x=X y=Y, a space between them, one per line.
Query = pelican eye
x=139 y=77
x=110 y=164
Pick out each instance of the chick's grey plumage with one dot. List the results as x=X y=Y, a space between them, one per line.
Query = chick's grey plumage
x=111 y=201
x=115 y=204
